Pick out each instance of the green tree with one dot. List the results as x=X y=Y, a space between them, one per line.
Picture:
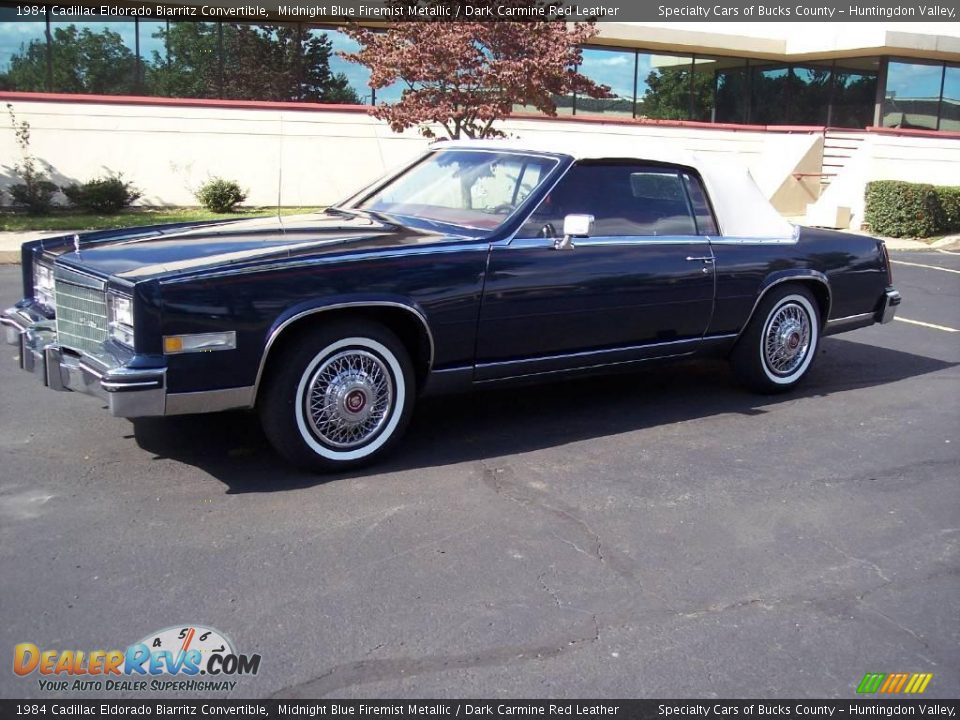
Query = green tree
x=83 y=61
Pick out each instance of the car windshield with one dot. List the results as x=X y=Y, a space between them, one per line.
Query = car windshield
x=476 y=189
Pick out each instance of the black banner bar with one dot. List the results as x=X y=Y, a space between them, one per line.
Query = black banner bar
x=472 y=709
x=374 y=11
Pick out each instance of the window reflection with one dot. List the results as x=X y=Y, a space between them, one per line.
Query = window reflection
x=810 y=88
x=615 y=69
x=769 y=95
x=23 y=53
x=854 y=92
x=720 y=89
x=86 y=58
x=663 y=86
x=950 y=105
x=912 y=95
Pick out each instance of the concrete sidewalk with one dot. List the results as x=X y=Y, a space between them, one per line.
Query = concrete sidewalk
x=10 y=243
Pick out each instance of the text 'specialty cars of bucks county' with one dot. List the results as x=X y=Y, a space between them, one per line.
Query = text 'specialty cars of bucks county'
x=480 y=262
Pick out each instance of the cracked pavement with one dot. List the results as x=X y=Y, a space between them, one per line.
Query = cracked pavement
x=658 y=534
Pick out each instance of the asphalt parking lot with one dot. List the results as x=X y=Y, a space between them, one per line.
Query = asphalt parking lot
x=660 y=534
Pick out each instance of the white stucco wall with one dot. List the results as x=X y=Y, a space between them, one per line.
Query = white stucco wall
x=317 y=157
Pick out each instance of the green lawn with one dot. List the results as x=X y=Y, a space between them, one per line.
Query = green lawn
x=71 y=220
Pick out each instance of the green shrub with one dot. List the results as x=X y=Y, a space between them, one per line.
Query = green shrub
x=949 y=198
x=108 y=194
x=220 y=195
x=901 y=209
x=35 y=195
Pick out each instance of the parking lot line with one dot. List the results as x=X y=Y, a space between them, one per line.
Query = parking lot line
x=928 y=267
x=927 y=325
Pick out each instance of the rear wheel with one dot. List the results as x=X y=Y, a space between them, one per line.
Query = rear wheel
x=780 y=343
x=339 y=398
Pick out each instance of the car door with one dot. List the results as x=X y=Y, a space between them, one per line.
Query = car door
x=642 y=284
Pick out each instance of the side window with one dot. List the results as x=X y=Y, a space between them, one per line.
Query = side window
x=706 y=224
x=625 y=200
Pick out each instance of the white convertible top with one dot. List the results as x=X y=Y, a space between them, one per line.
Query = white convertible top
x=741 y=208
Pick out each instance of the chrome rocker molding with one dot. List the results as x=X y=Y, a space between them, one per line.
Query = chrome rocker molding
x=340 y=306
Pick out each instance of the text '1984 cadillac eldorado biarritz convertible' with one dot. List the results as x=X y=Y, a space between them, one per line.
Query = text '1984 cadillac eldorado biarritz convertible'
x=479 y=263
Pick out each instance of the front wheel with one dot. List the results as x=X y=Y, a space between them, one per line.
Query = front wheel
x=780 y=343
x=339 y=398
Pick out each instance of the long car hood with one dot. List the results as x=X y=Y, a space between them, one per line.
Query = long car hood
x=134 y=255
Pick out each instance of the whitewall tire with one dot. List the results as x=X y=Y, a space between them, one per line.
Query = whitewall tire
x=339 y=398
x=780 y=343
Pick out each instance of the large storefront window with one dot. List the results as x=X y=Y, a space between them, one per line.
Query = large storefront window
x=912 y=98
x=23 y=53
x=615 y=69
x=950 y=104
x=663 y=86
x=301 y=62
x=854 y=92
x=809 y=91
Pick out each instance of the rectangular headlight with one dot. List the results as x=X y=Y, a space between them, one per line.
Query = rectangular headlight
x=43 y=293
x=120 y=318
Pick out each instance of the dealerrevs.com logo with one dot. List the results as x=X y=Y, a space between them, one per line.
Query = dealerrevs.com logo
x=175 y=659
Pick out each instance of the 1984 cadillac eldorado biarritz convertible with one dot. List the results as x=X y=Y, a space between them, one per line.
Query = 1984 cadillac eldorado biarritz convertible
x=479 y=263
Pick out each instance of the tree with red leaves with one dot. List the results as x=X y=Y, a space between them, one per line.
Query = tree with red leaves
x=464 y=76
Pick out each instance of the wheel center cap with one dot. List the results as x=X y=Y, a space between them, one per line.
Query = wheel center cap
x=355 y=401
x=793 y=341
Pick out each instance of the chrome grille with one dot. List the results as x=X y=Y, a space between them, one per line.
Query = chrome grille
x=81 y=316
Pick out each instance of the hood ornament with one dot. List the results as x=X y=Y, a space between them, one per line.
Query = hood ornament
x=76 y=244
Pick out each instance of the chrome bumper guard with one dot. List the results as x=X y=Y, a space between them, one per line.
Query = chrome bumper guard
x=127 y=392
x=891 y=301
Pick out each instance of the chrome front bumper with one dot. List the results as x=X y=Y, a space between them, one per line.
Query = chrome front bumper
x=891 y=301
x=127 y=392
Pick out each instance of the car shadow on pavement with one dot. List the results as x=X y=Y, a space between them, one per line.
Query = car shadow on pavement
x=488 y=424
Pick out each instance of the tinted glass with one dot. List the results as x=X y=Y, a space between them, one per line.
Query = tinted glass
x=23 y=53
x=625 y=200
x=93 y=57
x=950 y=107
x=706 y=224
x=733 y=97
x=770 y=95
x=663 y=86
x=331 y=78
x=809 y=100
x=912 y=95
x=615 y=69
x=854 y=92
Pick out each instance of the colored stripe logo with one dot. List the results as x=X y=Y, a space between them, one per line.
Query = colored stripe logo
x=893 y=683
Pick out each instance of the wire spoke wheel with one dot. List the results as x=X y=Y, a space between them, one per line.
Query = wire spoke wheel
x=349 y=398
x=786 y=339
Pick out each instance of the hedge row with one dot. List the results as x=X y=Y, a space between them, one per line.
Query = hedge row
x=902 y=209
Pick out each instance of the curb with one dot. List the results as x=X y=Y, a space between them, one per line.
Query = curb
x=9 y=257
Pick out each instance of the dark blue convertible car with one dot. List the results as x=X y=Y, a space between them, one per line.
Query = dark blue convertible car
x=478 y=263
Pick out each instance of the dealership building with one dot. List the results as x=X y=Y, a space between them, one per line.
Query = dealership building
x=815 y=110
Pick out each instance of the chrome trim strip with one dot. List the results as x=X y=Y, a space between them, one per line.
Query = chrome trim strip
x=584 y=368
x=76 y=277
x=341 y=306
x=791 y=278
x=617 y=240
x=210 y=400
x=849 y=319
x=606 y=351
x=109 y=385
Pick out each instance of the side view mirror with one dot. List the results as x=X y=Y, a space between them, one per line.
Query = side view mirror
x=574 y=226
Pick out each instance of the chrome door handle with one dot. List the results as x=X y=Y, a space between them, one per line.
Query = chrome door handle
x=705 y=258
